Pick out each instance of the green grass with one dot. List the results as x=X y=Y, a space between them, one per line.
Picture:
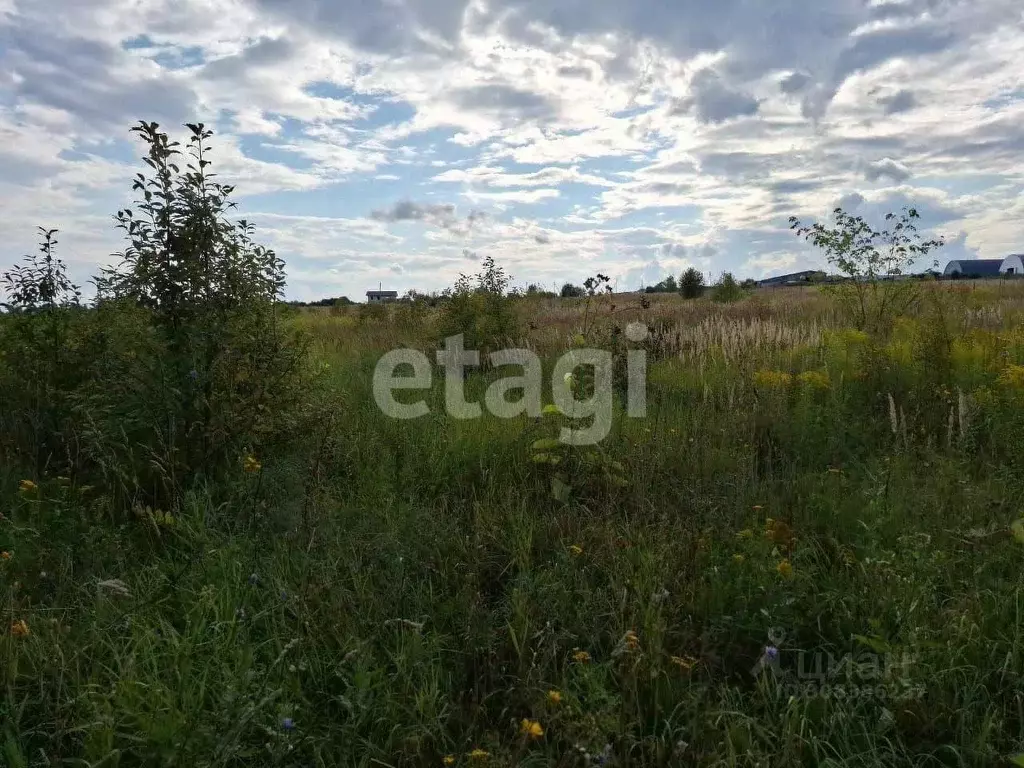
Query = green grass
x=399 y=592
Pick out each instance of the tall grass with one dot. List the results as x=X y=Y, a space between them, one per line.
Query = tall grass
x=405 y=593
x=215 y=550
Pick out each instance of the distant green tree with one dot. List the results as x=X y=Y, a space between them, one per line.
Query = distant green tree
x=668 y=285
x=570 y=291
x=691 y=284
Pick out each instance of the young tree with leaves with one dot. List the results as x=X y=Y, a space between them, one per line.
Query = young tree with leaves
x=873 y=261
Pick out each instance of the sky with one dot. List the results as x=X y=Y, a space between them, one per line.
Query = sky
x=398 y=142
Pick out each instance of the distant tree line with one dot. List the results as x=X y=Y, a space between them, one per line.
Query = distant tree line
x=339 y=301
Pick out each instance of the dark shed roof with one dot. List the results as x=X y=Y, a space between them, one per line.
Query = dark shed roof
x=972 y=267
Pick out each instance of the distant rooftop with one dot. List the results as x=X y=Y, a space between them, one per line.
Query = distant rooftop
x=376 y=296
x=973 y=267
x=793 y=277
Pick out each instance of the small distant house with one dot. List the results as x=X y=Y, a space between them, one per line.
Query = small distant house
x=1012 y=265
x=795 y=278
x=973 y=268
x=376 y=297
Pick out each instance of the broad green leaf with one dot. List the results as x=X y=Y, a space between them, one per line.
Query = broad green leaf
x=560 y=490
x=546 y=458
x=876 y=644
x=1017 y=529
x=547 y=444
x=551 y=410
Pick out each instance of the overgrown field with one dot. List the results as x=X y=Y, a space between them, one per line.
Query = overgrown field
x=217 y=551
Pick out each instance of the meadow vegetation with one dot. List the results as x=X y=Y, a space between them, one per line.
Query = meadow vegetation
x=215 y=550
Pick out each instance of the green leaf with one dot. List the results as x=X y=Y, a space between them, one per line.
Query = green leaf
x=1017 y=529
x=551 y=410
x=876 y=644
x=560 y=491
x=546 y=458
x=1016 y=759
x=547 y=444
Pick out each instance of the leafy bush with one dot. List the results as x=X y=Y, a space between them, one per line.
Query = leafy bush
x=182 y=366
x=727 y=289
x=481 y=308
x=668 y=285
x=372 y=311
x=41 y=361
x=413 y=311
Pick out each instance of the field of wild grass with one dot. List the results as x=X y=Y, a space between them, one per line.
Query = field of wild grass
x=216 y=550
x=808 y=556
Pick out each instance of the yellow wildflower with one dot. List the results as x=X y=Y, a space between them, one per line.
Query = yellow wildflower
x=685 y=663
x=555 y=697
x=738 y=558
x=779 y=532
x=449 y=760
x=815 y=380
x=580 y=657
x=250 y=464
x=785 y=569
x=20 y=629
x=27 y=486
x=773 y=379
x=531 y=728
x=1013 y=376
x=746 y=533
x=631 y=640
x=479 y=754
x=576 y=550
x=851 y=336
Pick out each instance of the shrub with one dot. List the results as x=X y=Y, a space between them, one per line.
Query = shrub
x=413 y=311
x=481 y=308
x=372 y=311
x=182 y=366
x=42 y=360
x=726 y=289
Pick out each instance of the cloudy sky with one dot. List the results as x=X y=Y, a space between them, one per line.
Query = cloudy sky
x=390 y=141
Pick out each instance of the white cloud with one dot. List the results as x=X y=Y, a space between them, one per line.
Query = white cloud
x=595 y=134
